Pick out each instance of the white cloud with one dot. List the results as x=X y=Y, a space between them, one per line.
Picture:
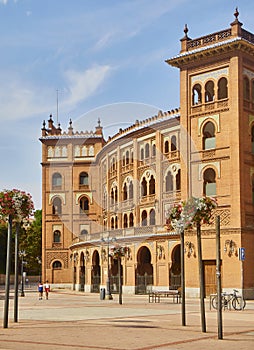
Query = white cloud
x=4 y=2
x=82 y=85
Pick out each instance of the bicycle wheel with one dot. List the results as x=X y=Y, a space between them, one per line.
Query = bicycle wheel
x=238 y=303
x=215 y=302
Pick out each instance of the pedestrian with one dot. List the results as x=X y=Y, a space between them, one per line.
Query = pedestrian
x=40 y=290
x=47 y=289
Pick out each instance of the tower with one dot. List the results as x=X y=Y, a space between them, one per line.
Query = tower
x=217 y=114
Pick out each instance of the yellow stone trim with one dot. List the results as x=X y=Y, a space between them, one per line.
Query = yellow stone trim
x=52 y=195
x=215 y=118
x=80 y=194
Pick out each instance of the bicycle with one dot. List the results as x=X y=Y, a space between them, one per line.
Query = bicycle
x=237 y=301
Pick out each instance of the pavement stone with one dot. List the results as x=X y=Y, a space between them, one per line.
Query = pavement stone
x=76 y=320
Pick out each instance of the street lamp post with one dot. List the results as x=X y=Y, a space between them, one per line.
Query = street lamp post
x=108 y=295
x=22 y=254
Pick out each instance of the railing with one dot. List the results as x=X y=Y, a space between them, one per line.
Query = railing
x=209 y=39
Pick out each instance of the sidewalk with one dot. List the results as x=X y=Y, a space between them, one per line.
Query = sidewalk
x=71 y=320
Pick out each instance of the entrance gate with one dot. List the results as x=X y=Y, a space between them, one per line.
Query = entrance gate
x=144 y=272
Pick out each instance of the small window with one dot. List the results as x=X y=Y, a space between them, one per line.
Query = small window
x=57 y=265
x=173 y=143
x=57 y=206
x=209 y=136
x=209 y=182
x=166 y=147
x=84 y=232
x=144 y=187
x=152 y=185
x=144 y=218
x=125 y=221
x=57 y=236
x=57 y=180
x=127 y=157
x=154 y=150
x=142 y=154
x=209 y=91
x=196 y=94
x=125 y=192
x=152 y=217
x=147 y=150
x=84 y=205
x=83 y=179
x=169 y=182
x=131 y=220
x=131 y=190
x=178 y=180
x=222 y=88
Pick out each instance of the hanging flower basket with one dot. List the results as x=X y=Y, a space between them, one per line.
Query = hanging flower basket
x=16 y=203
x=193 y=211
x=118 y=251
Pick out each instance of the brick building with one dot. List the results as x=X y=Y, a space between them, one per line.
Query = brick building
x=97 y=193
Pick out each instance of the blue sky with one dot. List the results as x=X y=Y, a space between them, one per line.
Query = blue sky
x=104 y=56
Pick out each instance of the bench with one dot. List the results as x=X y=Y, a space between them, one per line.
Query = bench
x=156 y=295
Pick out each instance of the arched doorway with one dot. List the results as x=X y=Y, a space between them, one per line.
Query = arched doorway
x=82 y=272
x=144 y=271
x=175 y=271
x=95 y=273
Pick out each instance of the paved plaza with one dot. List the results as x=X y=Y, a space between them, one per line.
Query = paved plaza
x=72 y=320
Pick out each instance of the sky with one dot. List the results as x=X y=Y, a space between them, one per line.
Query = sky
x=90 y=59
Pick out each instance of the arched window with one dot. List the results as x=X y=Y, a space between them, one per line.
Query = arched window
x=57 y=265
x=147 y=152
x=112 y=223
x=131 y=220
x=125 y=221
x=57 y=236
x=152 y=185
x=222 y=88
x=116 y=222
x=84 y=205
x=131 y=190
x=246 y=88
x=57 y=206
x=169 y=182
x=144 y=187
x=56 y=181
x=116 y=195
x=112 y=196
x=178 y=180
x=173 y=143
x=209 y=182
x=166 y=146
x=196 y=94
x=125 y=191
x=209 y=91
x=252 y=139
x=84 y=232
x=209 y=136
x=152 y=217
x=127 y=157
x=154 y=150
x=83 y=178
x=144 y=218
x=142 y=154
x=124 y=160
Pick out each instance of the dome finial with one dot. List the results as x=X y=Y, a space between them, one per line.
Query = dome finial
x=236 y=14
x=186 y=30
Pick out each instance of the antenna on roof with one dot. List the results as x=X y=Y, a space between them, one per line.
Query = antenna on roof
x=57 y=106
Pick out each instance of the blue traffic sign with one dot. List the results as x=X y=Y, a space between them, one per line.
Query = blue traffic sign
x=242 y=254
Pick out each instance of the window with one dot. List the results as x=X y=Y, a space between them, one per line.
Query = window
x=154 y=150
x=222 y=88
x=169 y=182
x=196 y=94
x=144 y=187
x=57 y=206
x=125 y=192
x=166 y=147
x=131 y=220
x=142 y=154
x=83 y=179
x=246 y=88
x=84 y=232
x=57 y=236
x=209 y=91
x=209 y=178
x=152 y=217
x=127 y=157
x=209 y=136
x=112 y=223
x=144 y=218
x=131 y=190
x=125 y=221
x=152 y=185
x=57 y=181
x=57 y=265
x=84 y=205
x=147 y=151
x=178 y=180
x=173 y=143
